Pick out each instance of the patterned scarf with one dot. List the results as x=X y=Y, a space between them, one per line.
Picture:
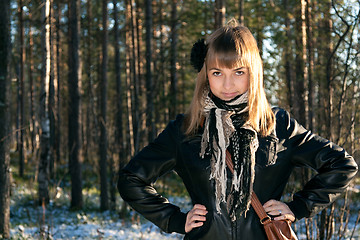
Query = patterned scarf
x=226 y=127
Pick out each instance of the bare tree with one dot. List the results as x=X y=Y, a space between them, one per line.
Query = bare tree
x=149 y=69
x=220 y=11
x=21 y=101
x=43 y=176
x=173 y=60
x=241 y=12
x=74 y=120
x=104 y=199
x=4 y=119
x=119 y=138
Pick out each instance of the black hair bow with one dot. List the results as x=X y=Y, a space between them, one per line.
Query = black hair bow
x=198 y=54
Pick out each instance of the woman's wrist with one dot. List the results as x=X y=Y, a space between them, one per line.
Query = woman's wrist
x=177 y=222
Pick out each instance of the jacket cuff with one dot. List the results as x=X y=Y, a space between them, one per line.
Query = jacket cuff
x=299 y=208
x=177 y=222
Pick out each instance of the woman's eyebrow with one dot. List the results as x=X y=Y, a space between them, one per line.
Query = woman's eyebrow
x=240 y=68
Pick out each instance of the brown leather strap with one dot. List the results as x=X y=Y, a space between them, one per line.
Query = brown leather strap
x=255 y=202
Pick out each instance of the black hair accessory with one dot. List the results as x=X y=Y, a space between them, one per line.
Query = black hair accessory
x=198 y=54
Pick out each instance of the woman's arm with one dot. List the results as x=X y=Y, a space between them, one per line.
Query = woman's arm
x=334 y=166
x=137 y=178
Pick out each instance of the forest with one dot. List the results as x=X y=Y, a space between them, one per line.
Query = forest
x=85 y=84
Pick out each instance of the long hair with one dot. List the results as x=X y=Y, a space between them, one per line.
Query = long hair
x=233 y=46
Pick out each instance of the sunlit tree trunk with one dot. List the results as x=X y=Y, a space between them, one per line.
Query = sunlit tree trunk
x=104 y=198
x=5 y=51
x=43 y=175
x=129 y=83
x=74 y=119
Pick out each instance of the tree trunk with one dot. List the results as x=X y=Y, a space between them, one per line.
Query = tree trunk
x=52 y=94
x=33 y=130
x=259 y=25
x=119 y=138
x=220 y=12
x=288 y=58
x=241 y=12
x=310 y=53
x=21 y=92
x=301 y=73
x=329 y=71
x=43 y=176
x=173 y=60
x=149 y=69
x=58 y=77
x=104 y=199
x=129 y=83
x=135 y=76
x=4 y=119
x=74 y=119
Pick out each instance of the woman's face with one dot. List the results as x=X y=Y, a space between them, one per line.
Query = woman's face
x=226 y=83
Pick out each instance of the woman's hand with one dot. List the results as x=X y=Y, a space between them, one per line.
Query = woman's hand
x=195 y=217
x=279 y=209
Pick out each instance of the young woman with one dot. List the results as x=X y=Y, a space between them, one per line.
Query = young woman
x=230 y=112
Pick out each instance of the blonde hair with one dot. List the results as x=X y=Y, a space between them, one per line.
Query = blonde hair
x=233 y=46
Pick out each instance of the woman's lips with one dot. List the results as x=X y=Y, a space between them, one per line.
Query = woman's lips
x=230 y=95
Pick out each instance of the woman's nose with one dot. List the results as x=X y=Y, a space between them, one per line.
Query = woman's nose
x=228 y=82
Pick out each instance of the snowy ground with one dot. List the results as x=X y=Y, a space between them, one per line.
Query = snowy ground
x=60 y=223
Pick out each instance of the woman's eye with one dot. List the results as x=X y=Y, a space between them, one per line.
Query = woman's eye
x=216 y=74
x=239 y=73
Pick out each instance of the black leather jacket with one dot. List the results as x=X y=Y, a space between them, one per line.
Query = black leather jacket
x=289 y=146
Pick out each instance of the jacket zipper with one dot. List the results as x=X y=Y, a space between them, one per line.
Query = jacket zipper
x=234 y=229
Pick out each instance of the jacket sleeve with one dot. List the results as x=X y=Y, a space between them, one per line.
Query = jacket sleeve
x=136 y=181
x=334 y=167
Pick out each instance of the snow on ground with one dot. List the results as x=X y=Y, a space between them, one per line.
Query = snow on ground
x=61 y=223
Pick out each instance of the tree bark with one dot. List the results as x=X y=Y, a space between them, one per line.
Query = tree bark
x=104 y=199
x=74 y=119
x=5 y=51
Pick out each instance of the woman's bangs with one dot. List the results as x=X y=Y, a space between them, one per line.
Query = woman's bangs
x=227 y=54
